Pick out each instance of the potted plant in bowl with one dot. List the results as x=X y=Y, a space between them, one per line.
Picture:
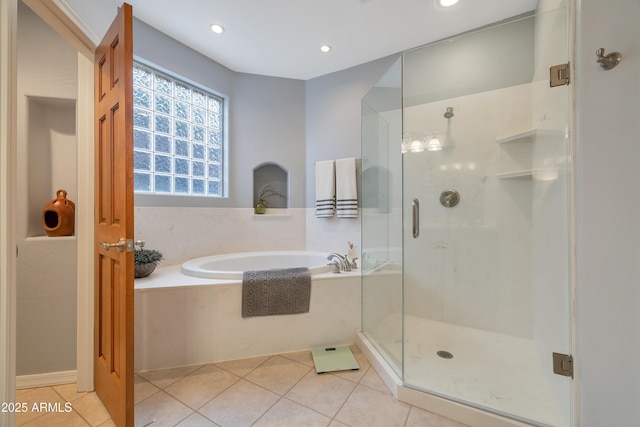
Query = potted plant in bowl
x=145 y=260
x=267 y=191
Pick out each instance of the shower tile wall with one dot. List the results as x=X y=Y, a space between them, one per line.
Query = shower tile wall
x=474 y=266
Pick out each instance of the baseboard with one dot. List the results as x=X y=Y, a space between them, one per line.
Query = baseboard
x=46 y=379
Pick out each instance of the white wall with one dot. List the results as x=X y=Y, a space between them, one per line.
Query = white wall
x=491 y=58
x=47 y=87
x=608 y=233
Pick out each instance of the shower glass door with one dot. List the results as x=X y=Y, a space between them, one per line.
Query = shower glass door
x=382 y=216
x=486 y=199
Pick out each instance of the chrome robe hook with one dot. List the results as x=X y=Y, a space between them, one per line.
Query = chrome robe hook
x=609 y=61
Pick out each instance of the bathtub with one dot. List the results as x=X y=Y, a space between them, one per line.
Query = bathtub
x=183 y=319
x=231 y=266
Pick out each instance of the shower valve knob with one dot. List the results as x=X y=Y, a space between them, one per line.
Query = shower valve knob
x=449 y=198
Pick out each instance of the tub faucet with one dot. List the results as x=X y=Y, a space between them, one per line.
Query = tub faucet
x=344 y=263
x=336 y=267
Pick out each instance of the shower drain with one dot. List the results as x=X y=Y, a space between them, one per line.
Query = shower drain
x=445 y=354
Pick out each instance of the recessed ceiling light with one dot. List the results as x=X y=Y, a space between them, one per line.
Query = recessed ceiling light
x=217 y=28
x=446 y=3
x=325 y=48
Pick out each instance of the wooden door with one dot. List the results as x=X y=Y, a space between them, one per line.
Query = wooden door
x=113 y=337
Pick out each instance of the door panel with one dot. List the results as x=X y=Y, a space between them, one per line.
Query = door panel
x=113 y=349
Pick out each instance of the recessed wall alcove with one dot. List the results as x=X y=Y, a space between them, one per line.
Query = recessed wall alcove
x=272 y=182
x=51 y=155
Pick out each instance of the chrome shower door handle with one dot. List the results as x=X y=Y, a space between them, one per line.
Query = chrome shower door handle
x=415 y=208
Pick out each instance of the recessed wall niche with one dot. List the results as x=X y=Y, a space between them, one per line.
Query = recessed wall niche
x=271 y=183
x=52 y=155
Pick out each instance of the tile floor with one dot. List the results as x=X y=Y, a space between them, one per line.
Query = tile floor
x=280 y=391
x=86 y=408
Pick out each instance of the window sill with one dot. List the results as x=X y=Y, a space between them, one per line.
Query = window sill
x=273 y=212
x=172 y=200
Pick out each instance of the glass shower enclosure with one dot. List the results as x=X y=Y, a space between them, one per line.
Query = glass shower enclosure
x=466 y=185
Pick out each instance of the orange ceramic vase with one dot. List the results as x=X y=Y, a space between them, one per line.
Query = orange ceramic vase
x=59 y=216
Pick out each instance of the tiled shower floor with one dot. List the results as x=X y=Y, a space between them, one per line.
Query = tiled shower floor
x=279 y=391
x=488 y=369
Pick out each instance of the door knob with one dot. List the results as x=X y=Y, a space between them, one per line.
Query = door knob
x=120 y=244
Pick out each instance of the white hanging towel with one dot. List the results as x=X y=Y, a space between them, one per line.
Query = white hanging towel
x=346 y=188
x=325 y=188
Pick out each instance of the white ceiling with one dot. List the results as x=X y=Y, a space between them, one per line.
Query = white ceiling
x=282 y=38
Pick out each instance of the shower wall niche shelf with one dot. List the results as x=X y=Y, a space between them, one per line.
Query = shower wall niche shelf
x=526 y=174
x=50 y=239
x=526 y=136
x=523 y=153
x=530 y=135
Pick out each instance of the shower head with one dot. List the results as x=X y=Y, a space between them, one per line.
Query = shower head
x=449 y=113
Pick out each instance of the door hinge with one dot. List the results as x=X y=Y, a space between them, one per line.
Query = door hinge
x=559 y=75
x=563 y=364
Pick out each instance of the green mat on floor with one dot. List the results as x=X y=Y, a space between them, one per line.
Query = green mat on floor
x=329 y=359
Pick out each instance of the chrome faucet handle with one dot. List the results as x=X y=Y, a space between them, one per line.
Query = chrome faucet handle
x=336 y=267
x=347 y=263
x=354 y=266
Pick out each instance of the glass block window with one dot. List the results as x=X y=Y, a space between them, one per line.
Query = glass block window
x=177 y=136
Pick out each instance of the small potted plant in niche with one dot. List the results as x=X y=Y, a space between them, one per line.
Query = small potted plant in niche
x=267 y=191
x=145 y=260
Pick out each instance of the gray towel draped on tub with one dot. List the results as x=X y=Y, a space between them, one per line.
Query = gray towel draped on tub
x=277 y=291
